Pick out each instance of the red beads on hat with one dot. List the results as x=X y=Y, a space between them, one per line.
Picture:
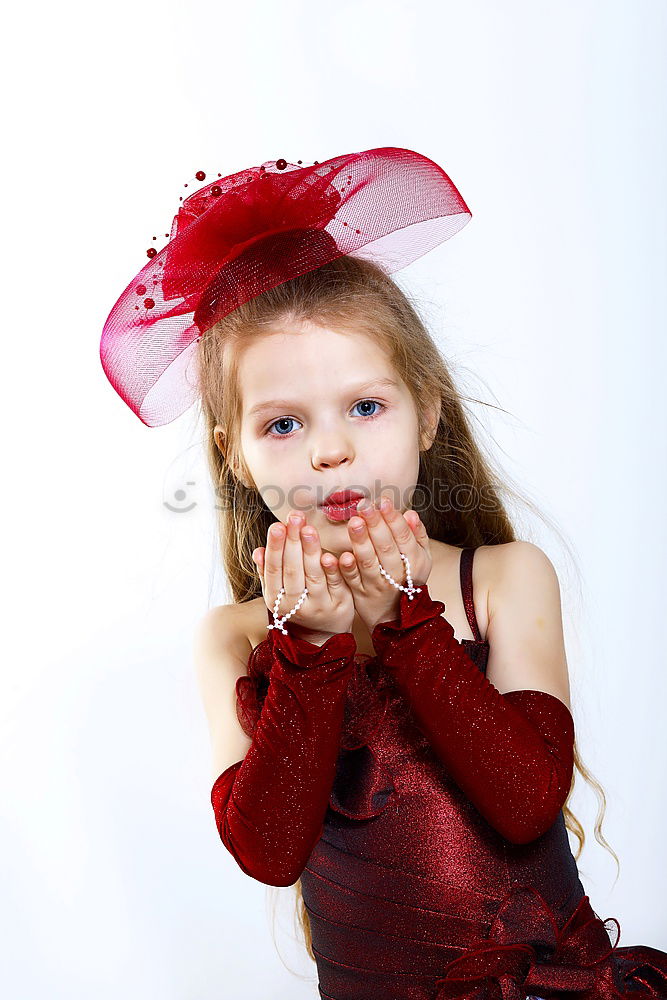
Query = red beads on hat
x=140 y=289
x=216 y=190
x=149 y=303
x=200 y=175
x=281 y=164
x=151 y=252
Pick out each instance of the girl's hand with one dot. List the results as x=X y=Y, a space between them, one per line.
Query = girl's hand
x=293 y=559
x=382 y=538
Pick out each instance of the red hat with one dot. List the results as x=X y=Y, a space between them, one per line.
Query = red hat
x=240 y=235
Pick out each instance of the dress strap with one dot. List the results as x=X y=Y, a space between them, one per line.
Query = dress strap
x=467 y=556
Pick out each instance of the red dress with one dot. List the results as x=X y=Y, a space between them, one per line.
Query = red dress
x=413 y=895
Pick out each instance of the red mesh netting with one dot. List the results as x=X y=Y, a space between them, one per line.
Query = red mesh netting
x=242 y=234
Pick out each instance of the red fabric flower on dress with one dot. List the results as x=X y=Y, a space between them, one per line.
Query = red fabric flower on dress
x=527 y=954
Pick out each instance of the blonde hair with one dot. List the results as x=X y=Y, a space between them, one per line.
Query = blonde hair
x=352 y=294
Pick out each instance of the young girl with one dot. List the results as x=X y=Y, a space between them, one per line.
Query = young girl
x=388 y=692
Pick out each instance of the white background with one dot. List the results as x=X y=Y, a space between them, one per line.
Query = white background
x=550 y=118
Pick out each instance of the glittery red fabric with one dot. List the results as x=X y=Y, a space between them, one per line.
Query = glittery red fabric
x=270 y=807
x=511 y=754
x=414 y=889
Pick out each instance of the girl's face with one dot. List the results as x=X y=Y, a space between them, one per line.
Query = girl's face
x=318 y=415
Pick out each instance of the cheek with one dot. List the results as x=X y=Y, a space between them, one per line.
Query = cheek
x=398 y=473
x=282 y=486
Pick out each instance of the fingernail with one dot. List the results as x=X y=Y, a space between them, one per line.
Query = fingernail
x=363 y=504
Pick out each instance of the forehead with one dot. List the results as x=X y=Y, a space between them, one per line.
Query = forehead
x=289 y=363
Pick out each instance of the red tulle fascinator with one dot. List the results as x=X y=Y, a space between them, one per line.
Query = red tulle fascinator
x=240 y=235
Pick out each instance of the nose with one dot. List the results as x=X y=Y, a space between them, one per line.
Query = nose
x=330 y=462
x=332 y=453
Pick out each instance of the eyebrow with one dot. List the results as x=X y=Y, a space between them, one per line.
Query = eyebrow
x=279 y=404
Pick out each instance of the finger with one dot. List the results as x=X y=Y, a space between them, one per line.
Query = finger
x=418 y=528
x=334 y=578
x=377 y=546
x=314 y=575
x=273 y=562
x=294 y=579
x=365 y=555
x=258 y=556
x=402 y=533
x=350 y=571
x=380 y=533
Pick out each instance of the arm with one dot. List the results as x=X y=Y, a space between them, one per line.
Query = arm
x=512 y=754
x=269 y=807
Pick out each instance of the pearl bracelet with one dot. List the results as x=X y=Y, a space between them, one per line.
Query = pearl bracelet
x=409 y=590
x=280 y=622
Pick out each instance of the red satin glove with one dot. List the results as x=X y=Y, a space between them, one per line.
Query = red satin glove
x=512 y=754
x=269 y=808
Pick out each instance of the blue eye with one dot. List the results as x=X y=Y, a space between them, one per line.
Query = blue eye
x=368 y=416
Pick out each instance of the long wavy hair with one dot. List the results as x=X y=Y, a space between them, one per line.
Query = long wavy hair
x=354 y=294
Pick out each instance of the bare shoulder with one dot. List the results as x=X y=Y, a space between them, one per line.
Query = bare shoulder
x=520 y=578
x=525 y=630
x=499 y=562
x=223 y=629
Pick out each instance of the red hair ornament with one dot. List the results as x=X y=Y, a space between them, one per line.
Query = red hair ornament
x=240 y=235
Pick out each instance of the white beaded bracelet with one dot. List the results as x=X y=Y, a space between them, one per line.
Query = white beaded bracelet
x=280 y=622
x=409 y=590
